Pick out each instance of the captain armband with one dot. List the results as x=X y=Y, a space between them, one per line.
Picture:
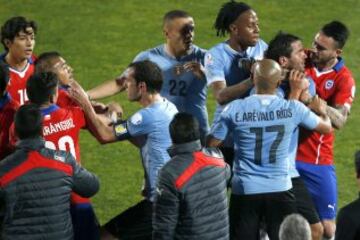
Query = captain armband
x=121 y=130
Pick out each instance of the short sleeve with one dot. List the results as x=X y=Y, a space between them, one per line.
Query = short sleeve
x=305 y=117
x=214 y=67
x=345 y=91
x=139 y=123
x=221 y=126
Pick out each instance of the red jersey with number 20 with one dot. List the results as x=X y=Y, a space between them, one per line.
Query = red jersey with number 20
x=337 y=88
x=61 y=129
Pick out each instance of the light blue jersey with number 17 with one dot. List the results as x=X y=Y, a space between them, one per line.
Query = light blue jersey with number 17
x=262 y=127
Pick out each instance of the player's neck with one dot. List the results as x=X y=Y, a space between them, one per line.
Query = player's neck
x=16 y=63
x=234 y=44
x=173 y=52
x=328 y=65
x=149 y=98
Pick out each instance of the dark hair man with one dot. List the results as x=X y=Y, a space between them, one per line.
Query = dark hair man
x=18 y=39
x=226 y=75
x=348 y=220
x=288 y=51
x=146 y=129
x=191 y=199
x=335 y=85
x=36 y=183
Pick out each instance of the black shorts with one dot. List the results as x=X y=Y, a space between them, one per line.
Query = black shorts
x=248 y=211
x=304 y=203
x=229 y=154
x=133 y=223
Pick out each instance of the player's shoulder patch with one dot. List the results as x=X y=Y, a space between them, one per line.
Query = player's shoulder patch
x=120 y=129
x=136 y=119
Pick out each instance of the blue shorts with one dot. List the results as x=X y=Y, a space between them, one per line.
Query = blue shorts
x=85 y=224
x=321 y=183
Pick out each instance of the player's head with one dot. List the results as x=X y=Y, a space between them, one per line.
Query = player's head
x=329 y=42
x=53 y=62
x=287 y=50
x=295 y=227
x=143 y=77
x=42 y=88
x=357 y=164
x=184 y=128
x=267 y=76
x=4 y=78
x=240 y=21
x=178 y=28
x=28 y=121
x=18 y=37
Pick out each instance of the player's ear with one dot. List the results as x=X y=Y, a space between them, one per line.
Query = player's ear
x=232 y=28
x=7 y=42
x=338 y=52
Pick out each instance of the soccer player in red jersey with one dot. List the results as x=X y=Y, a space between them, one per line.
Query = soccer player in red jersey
x=18 y=39
x=8 y=108
x=335 y=85
x=61 y=127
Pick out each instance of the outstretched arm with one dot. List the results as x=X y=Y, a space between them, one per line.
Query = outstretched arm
x=108 y=88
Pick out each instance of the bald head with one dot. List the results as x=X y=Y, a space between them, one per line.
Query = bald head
x=267 y=75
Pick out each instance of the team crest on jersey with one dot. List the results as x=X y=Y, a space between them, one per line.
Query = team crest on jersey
x=329 y=84
x=136 y=119
x=209 y=59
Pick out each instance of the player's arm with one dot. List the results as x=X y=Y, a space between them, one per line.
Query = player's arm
x=324 y=125
x=338 y=115
x=224 y=94
x=97 y=125
x=166 y=207
x=108 y=88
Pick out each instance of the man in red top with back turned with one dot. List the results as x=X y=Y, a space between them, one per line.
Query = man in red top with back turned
x=334 y=84
x=8 y=108
x=18 y=39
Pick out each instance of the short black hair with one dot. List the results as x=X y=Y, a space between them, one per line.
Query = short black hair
x=44 y=63
x=184 y=128
x=357 y=163
x=41 y=86
x=13 y=26
x=4 y=77
x=174 y=14
x=280 y=46
x=338 y=31
x=148 y=72
x=227 y=14
x=28 y=121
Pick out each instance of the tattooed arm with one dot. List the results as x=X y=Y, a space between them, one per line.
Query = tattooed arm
x=338 y=115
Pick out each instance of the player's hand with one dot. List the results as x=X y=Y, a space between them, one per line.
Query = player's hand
x=195 y=67
x=298 y=81
x=77 y=93
x=247 y=64
x=99 y=108
x=115 y=111
x=121 y=81
x=318 y=105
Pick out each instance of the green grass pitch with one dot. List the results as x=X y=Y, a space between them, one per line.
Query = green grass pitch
x=100 y=38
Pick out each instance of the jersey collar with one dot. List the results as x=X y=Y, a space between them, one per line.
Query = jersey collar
x=338 y=66
x=50 y=109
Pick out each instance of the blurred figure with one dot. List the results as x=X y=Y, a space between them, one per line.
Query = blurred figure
x=295 y=227
x=348 y=220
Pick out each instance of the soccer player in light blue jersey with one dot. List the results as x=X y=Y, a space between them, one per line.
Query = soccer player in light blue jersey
x=181 y=63
x=148 y=130
x=288 y=51
x=262 y=127
x=227 y=63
